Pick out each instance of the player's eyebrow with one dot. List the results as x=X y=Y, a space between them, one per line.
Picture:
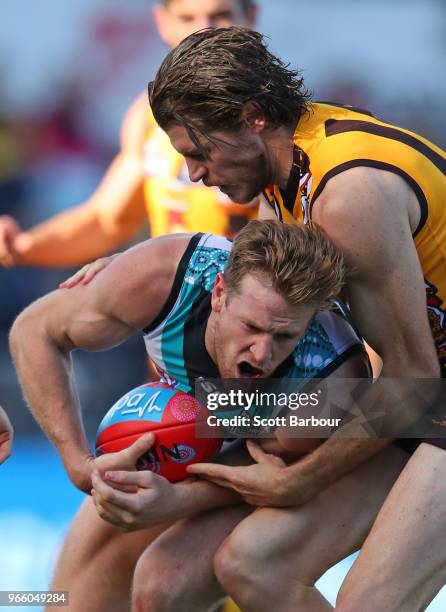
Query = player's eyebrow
x=192 y=152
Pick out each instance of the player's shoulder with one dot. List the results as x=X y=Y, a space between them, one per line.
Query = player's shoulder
x=360 y=195
x=159 y=255
x=329 y=341
x=137 y=283
x=338 y=327
x=135 y=124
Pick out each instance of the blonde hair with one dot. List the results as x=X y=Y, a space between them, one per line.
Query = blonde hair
x=301 y=263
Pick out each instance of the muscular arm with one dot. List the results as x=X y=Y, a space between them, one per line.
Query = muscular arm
x=124 y=298
x=367 y=213
x=110 y=217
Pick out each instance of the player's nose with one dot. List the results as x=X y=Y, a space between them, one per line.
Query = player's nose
x=262 y=351
x=197 y=171
x=204 y=22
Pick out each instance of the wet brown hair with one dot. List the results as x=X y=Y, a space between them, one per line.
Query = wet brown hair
x=204 y=83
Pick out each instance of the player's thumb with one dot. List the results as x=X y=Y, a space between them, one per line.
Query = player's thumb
x=140 y=446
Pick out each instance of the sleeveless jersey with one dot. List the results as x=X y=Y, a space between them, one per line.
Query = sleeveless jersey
x=175 y=204
x=175 y=340
x=330 y=139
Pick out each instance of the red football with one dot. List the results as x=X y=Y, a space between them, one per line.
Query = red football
x=168 y=413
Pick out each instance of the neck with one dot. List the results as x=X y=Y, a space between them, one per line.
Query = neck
x=209 y=337
x=279 y=143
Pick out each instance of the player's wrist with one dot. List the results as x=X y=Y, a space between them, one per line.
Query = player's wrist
x=192 y=498
x=294 y=489
x=183 y=501
x=80 y=471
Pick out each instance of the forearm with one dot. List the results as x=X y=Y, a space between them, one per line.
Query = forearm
x=46 y=376
x=201 y=496
x=71 y=238
x=387 y=409
x=332 y=460
x=110 y=217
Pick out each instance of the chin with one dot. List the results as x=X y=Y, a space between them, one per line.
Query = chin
x=247 y=198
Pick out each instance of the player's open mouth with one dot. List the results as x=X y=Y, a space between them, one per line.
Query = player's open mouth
x=246 y=370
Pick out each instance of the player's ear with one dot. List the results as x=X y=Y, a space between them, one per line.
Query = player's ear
x=253 y=117
x=219 y=291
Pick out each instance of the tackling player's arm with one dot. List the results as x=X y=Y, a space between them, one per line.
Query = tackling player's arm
x=110 y=217
x=370 y=215
x=123 y=299
x=274 y=479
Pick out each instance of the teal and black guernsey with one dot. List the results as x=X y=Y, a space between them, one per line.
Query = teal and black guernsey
x=175 y=339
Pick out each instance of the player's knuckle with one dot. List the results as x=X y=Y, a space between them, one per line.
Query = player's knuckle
x=132 y=509
x=100 y=510
x=129 y=521
x=108 y=496
x=150 y=477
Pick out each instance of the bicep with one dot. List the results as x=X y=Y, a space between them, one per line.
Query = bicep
x=369 y=222
x=388 y=301
x=74 y=319
x=126 y=297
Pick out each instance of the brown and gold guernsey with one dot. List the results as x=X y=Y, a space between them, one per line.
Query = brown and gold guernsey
x=175 y=204
x=330 y=139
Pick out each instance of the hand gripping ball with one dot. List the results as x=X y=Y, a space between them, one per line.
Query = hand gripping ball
x=171 y=415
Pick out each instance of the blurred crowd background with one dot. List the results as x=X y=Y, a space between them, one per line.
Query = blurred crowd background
x=68 y=71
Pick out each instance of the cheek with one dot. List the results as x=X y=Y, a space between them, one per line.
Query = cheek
x=284 y=349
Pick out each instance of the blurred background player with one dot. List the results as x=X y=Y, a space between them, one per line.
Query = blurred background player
x=147 y=177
